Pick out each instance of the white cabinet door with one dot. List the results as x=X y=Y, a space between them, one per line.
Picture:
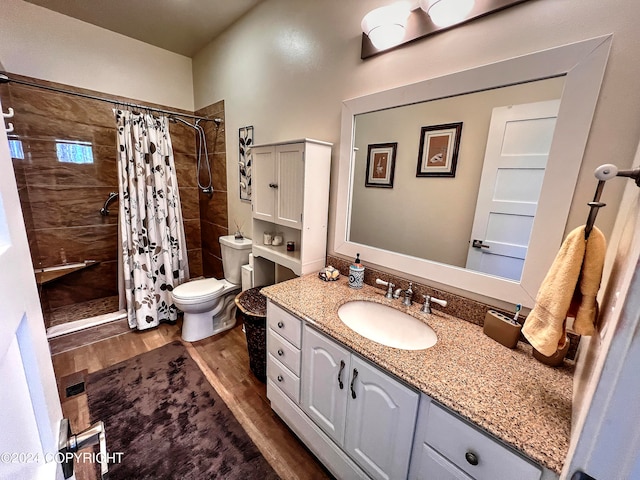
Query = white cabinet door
x=325 y=370
x=278 y=173
x=289 y=195
x=264 y=181
x=381 y=418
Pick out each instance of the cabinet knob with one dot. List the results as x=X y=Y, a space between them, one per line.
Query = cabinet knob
x=280 y=325
x=472 y=458
x=280 y=378
x=273 y=185
x=280 y=352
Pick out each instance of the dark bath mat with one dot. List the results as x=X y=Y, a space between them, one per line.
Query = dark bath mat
x=169 y=422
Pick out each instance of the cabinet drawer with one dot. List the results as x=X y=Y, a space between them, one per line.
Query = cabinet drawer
x=285 y=324
x=283 y=378
x=286 y=353
x=434 y=466
x=454 y=439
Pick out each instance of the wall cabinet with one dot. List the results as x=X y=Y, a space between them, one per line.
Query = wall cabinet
x=291 y=196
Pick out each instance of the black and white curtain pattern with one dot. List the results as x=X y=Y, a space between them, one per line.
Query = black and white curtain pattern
x=154 y=254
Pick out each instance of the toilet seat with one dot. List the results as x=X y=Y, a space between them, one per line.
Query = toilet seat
x=199 y=290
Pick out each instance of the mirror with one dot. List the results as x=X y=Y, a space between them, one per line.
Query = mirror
x=575 y=70
x=431 y=216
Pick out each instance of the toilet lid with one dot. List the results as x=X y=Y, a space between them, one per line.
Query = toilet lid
x=198 y=288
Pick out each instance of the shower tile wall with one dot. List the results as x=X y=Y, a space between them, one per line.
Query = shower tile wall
x=213 y=208
x=61 y=201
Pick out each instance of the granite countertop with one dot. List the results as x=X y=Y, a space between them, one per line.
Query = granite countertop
x=506 y=392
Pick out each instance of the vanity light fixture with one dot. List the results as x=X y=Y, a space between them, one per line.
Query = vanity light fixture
x=406 y=21
x=444 y=13
x=385 y=26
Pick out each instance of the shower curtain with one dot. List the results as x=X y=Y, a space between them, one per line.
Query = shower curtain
x=154 y=255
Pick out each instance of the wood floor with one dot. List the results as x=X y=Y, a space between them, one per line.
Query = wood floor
x=224 y=361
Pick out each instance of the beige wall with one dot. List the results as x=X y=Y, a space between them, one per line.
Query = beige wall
x=430 y=217
x=44 y=44
x=286 y=67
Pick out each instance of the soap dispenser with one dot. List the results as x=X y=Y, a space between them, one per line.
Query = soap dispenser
x=356 y=273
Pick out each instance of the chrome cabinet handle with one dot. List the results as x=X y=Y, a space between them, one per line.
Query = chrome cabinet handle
x=280 y=325
x=280 y=352
x=353 y=379
x=472 y=458
x=342 y=365
x=280 y=378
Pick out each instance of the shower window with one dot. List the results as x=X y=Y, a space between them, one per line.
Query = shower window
x=70 y=151
x=15 y=147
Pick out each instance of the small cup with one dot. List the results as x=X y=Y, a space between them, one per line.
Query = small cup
x=356 y=276
x=267 y=239
x=555 y=359
x=291 y=246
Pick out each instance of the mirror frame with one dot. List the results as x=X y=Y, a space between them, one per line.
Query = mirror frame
x=583 y=64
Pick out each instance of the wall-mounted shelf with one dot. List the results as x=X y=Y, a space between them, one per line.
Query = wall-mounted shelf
x=49 y=274
x=279 y=255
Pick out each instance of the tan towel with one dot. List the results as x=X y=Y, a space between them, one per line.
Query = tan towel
x=570 y=287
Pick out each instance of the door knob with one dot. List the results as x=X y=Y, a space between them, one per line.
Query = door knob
x=478 y=244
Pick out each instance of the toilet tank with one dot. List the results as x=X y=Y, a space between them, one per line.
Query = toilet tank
x=235 y=254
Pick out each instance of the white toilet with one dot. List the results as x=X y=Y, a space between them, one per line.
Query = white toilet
x=208 y=304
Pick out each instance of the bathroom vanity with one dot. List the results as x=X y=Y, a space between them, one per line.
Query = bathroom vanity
x=466 y=408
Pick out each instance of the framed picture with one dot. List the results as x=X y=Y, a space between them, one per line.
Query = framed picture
x=438 y=154
x=245 y=142
x=381 y=163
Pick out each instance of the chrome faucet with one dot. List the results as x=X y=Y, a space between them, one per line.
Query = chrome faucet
x=389 y=286
x=426 y=308
x=408 y=296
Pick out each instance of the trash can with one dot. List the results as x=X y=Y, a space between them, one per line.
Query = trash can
x=252 y=310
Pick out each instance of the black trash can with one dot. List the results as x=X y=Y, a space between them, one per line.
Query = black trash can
x=252 y=310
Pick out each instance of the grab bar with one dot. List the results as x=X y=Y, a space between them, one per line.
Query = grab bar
x=104 y=211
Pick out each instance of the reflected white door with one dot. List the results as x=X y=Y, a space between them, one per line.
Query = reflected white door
x=30 y=411
x=514 y=164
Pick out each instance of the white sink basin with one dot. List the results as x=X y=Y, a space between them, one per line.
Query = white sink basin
x=386 y=325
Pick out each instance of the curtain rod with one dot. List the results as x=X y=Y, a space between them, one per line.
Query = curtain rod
x=4 y=78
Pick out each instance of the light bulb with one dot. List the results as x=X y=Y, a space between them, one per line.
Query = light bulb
x=385 y=26
x=444 y=13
